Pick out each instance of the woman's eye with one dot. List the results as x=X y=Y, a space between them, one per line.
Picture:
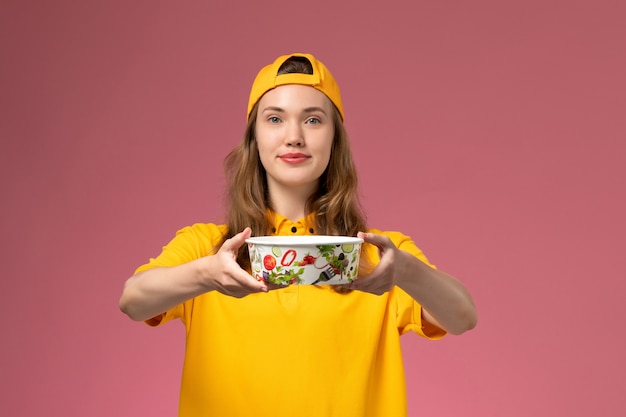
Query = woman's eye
x=273 y=119
x=314 y=121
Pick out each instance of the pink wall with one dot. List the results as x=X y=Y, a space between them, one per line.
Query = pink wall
x=492 y=132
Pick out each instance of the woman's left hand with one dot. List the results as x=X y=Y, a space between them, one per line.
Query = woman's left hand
x=383 y=277
x=445 y=302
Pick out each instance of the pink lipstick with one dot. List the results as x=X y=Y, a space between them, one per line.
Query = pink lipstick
x=293 y=158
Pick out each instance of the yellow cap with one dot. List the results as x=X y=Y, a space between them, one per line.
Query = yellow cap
x=321 y=79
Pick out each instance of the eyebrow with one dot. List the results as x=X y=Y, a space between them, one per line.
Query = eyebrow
x=306 y=110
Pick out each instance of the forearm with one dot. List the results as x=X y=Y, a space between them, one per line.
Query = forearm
x=152 y=292
x=441 y=295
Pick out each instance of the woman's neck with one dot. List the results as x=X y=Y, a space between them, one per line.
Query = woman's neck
x=290 y=201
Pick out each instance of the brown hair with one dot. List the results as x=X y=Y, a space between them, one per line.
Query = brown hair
x=336 y=204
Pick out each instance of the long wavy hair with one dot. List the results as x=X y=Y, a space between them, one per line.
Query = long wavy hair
x=335 y=203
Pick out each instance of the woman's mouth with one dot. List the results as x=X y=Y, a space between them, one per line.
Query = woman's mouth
x=294 y=158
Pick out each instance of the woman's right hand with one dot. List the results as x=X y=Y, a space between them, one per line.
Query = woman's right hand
x=224 y=273
x=152 y=292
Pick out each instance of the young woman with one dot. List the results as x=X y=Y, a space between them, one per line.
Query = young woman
x=253 y=349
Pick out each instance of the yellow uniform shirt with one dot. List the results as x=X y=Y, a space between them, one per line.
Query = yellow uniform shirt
x=298 y=351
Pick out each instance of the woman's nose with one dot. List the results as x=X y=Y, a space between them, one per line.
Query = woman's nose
x=294 y=136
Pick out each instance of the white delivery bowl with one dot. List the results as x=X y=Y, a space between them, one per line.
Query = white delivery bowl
x=304 y=260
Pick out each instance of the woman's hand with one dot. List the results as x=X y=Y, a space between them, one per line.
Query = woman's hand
x=383 y=277
x=445 y=302
x=224 y=273
x=154 y=291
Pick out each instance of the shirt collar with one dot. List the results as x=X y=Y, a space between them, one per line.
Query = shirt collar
x=284 y=226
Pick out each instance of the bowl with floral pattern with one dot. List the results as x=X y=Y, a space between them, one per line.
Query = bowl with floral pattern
x=304 y=260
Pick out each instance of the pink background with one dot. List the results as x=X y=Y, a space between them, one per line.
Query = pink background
x=492 y=132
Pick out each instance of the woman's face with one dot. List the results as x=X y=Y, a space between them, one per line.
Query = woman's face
x=294 y=131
